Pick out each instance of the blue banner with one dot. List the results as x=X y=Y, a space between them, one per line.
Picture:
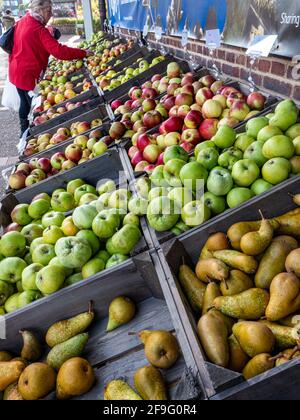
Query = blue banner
x=238 y=20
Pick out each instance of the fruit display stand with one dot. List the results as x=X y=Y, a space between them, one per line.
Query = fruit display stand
x=279 y=383
x=118 y=353
x=136 y=53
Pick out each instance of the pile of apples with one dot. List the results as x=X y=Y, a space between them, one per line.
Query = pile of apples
x=43 y=250
x=46 y=141
x=56 y=112
x=111 y=80
x=62 y=68
x=183 y=191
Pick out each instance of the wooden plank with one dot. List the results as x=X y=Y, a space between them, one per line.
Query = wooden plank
x=125 y=368
x=151 y=314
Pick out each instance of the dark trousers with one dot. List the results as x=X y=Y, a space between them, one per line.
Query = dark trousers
x=24 y=110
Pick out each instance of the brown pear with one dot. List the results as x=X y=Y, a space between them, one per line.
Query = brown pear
x=12 y=393
x=292 y=263
x=161 y=348
x=290 y=321
x=5 y=356
x=194 y=288
x=237 y=357
x=121 y=311
x=37 y=381
x=237 y=260
x=287 y=355
x=286 y=337
x=289 y=223
x=211 y=269
x=149 y=383
x=31 y=346
x=216 y=242
x=255 y=243
x=213 y=332
x=273 y=262
x=254 y=338
x=296 y=199
x=212 y=292
x=10 y=373
x=284 y=297
x=75 y=377
x=237 y=282
x=238 y=230
x=258 y=365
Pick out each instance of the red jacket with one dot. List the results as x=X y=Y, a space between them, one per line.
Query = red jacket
x=33 y=44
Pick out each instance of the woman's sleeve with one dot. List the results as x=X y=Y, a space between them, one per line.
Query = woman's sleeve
x=59 y=51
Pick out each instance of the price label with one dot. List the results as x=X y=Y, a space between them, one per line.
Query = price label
x=145 y=30
x=158 y=33
x=213 y=38
x=185 y=38
x=262 y=45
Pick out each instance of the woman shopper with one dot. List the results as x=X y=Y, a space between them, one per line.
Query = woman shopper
x=33 y=45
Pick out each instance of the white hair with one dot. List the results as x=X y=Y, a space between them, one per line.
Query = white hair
x=37 y=5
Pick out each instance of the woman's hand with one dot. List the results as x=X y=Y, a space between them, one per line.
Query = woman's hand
x=89 y=53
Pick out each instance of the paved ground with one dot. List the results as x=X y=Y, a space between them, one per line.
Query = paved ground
x=9 y=122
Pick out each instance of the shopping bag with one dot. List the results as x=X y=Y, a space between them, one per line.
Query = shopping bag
x=10 y=97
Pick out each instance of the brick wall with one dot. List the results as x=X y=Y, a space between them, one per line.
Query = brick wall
x=273 y=74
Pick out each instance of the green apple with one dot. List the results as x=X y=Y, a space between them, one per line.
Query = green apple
x=106 y=186
x=55 y=261
x=267 y=133
x=56 y=193
x=119 y=199
x=75 y=278
x=217 y=205
x=43 y=196
x=286 y=106
x=175 y=152
x=254 y=126
x=28 y=296
x=88 y=198
x=12 y=244
x=103 y=201
x=229 y=158
x=219 y=182
x=20 y=215
x=163 y=214
x=296 y=143
x=204 y=145
x=157 y=177
x=52 y=234
x=143 y=186
x=208 y=158
x=73 y=252
x=238 y=196
x=11 y=269
x=29 y=276
x=125 y=240
x=195 y=213
x=31 y=232
x=35 y=243
x=284 y=119
x=84 y=216
x=12 y=304
x=181 y=196
x=172 y=172
x=19 y=286
x=260 y=186
x=50 y=279
x=83 y=189
x=116 y=259
x=245 y=172
x=92 y=267
x=243 y=142
x=138 y=206
x=38 y=208
x=182 y=226
x=279 y=146
x=92 y=239
x=193 y=176
x=255 y=153
x=53 y=218
x=105 y=224
x=225 y=137
x=2 y=310
x=43 y=254
x=158 y=192
x=131 y=219
x=63 y=202
x=74 y=184
x=99 y=148
x=103 y=255
x=276 y=170
x=293 y=132
x=6 y=290
x=28 y=258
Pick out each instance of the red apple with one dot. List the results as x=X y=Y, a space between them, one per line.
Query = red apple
x=188 y=79
x=173 y=70
x=25 y=167
x=174 y=111
x=256 y=101
x=239 y=110
x=73 y=153
x=197 y=86
x=189 y=89
x=137 y=158
x=207 y=81
x=156 y=77
x=97 y=134
x=203 y=95
x=160 y=160
x=64 y=132
x=227 y=90
x=188 y=147
x=136 y=104
x=132 y=151
x=68 y=164
x=16 y=181
x=140 y=167
x=183 y=110
x=143 y=141
x=196 y=107
x=148 y=105
x=172 y=88
x=82 y=127
x=173 y=124
x=209 y=128
x=152 y=119
x=129 y=103
x=13 y=227
x=211 y=109
x=191 y=135
x=149 y=93
x=58 y=138
x=136 y=93
x=184 y=99
x=231 y=122
x=44 y=164
x=33 y=163
x=147 y=84
x=193 y=119
x=149 y=168
x=151 y=153
x=117 y=130
x=169 y=102
x=57 y=160
x=107 y=140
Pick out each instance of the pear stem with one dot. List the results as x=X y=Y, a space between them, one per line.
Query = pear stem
x=292 y=195
x=91 y=303
x=132 y=333
x=183 y=260
x=261 y=215
x=226 y=284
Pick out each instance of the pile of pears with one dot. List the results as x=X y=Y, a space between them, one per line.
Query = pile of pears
x=246 y=290
x=29 y=377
